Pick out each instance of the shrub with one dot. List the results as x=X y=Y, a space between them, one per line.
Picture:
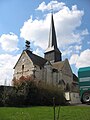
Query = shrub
x=30 y=92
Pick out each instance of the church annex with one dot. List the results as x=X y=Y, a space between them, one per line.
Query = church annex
x=50 y=69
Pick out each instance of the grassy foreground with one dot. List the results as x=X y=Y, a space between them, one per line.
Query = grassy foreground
x=45 y=113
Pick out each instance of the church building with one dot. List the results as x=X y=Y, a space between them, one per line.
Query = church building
x=51 y=69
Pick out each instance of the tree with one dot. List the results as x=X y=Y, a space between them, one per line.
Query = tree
x=30 y=92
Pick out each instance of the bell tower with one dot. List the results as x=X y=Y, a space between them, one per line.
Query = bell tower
x=52 y=53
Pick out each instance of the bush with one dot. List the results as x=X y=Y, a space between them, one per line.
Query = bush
x=30 y=92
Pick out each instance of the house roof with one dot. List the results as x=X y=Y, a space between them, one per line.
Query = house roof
x=37 y=60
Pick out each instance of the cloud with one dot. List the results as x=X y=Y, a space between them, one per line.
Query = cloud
x=88 y=42
x=7 y=63
x=36 y=31
x=9 y=42
x=38 y=52
x=74 y=58
x=85 y=32
x=82 y=60
x=77 y=48
x=71 y=49
x=55 y=5
x=66 y=20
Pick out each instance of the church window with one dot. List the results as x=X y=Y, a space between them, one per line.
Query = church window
x=22 y=67
x=54 y=70
x=40 y=68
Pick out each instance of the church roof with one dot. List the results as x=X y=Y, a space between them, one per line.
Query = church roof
x=58 y=65
x=75 y=78
x=37 y=60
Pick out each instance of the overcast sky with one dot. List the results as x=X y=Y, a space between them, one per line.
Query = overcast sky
x=22 y=20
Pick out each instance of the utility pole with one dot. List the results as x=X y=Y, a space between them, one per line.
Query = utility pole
x=56 y=117
x=54 y=107
x=58 y=113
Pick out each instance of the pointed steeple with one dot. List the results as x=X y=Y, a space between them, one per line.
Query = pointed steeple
x=52 y=35
x=52 y=53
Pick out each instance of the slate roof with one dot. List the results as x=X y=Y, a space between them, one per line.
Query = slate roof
x=37 y=60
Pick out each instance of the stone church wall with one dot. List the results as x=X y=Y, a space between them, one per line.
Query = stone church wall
x=39 y=73
x=24 y=67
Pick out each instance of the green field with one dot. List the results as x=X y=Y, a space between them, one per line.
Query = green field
x=45 y=113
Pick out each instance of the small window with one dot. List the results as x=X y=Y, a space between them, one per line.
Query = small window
x=22 y=67
x=40 y=68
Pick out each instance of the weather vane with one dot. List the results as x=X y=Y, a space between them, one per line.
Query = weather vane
x=27 y=45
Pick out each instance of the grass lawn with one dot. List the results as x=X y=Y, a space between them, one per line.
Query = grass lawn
x=45 y=113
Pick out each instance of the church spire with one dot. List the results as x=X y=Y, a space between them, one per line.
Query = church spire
x=52 y=53
x=52 y=35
